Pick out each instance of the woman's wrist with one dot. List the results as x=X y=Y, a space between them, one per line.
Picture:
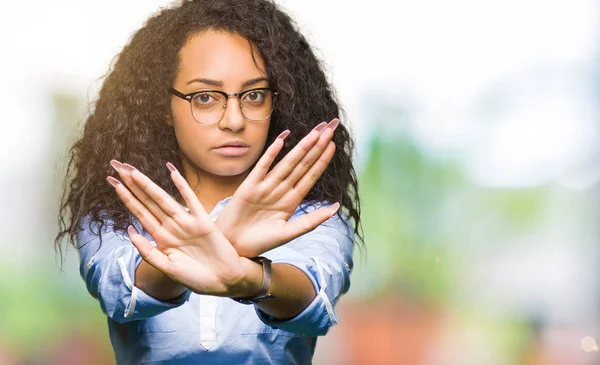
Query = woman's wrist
x=292 y=288
x=251 y=281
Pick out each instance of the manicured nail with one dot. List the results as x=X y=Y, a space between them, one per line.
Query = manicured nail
x=127 y=167
x=284 y=134
x=334 y=123
x=131 y=231
x=114 y=182
x=335 y=208
x=321 y=127
x=115 y=165
x=171 y=167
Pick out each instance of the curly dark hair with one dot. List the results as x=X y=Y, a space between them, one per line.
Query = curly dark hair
x=128 y=120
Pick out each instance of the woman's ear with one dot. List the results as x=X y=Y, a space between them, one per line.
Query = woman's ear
x=169 y=120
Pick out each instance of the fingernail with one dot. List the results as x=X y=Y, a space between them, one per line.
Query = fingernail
x=334 y=123
x=171 y=167
x=131 y=230
x=114 y=182
x=115 y=165
x=284 y=134
x=127 y=167
x=321 y=127
x=335 y=208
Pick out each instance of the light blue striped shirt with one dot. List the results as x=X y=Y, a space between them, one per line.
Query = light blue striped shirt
x=201 y=329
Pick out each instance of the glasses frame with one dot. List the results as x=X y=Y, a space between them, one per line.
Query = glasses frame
x=190 y=96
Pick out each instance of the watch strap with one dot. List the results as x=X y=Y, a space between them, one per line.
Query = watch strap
x=263 y=292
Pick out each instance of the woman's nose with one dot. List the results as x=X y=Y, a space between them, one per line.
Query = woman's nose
x=233 y=119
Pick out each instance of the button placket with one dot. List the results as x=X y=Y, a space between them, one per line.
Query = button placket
x=208 y=306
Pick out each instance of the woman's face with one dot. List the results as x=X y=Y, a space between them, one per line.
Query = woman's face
x=214 y=60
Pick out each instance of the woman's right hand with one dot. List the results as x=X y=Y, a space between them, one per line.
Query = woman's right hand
x=255 y=220
x=190 y=249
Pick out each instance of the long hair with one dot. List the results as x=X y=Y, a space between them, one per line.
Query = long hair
x=127 y=122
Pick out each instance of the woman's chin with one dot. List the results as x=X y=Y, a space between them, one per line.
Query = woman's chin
x=224 y=167
x=229 y=171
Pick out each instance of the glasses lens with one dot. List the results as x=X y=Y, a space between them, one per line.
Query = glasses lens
x=208 y=107
x=257 y=104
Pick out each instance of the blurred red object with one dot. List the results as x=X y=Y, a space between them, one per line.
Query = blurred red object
x=389 y=331
x=77 y=348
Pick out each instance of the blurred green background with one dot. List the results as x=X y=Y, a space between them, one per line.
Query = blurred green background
x=477 y=127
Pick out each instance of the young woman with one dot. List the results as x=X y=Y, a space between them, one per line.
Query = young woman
x=226 y=229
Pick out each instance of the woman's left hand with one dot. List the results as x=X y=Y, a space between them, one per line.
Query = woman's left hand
x=255 y=220
x=189 y=246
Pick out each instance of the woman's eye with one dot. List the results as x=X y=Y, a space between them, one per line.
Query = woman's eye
x=255 y=96
x=204 y=98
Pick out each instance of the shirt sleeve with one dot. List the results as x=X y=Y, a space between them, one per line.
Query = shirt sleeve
x=108 y=269
x=325 y=256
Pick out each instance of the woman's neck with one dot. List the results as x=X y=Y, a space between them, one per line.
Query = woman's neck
x=211 y=189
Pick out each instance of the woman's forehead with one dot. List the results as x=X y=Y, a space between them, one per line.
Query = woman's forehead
x=220 y=56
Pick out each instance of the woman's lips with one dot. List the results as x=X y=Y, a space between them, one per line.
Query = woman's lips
x=232 y=150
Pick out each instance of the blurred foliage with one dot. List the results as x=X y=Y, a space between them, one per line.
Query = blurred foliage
x=38 y=303
x=402 y=191
x=422 y=215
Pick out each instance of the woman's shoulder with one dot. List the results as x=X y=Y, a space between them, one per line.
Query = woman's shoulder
x=97 y=226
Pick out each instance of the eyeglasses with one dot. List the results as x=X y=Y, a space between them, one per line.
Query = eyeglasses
x=208 y=106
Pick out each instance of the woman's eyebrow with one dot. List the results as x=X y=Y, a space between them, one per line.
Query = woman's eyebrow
x=206 y=81
x=253 y=81
x=220 y=83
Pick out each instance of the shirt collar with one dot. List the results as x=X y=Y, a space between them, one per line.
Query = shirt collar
x=218 y=208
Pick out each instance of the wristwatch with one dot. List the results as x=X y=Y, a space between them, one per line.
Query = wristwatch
x=263 y=293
